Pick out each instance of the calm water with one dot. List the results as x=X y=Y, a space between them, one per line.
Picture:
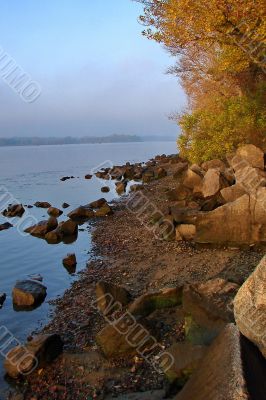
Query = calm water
x=33 y=174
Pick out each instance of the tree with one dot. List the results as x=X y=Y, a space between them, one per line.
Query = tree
x=220 y=50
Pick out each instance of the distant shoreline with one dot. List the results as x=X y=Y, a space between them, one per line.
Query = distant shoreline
x=37 y=141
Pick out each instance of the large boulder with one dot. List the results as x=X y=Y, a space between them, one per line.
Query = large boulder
x=208 y=307
x=212 y=183
x=108 y=295
x=192 y=179
x=250 y=307
x=214 y=164
x=240 y=222
x=14 y=210
x=186 y=358
x=252 y=154
x=37 y=353
x=28 y=293
x=149 y=302
x=220 y=374
x=232 y=193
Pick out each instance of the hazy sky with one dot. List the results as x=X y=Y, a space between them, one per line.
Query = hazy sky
x=98 y=75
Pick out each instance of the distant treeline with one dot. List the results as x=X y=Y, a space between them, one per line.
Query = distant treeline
x=40 y=141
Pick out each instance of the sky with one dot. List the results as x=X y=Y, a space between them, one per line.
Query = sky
x=98 y=75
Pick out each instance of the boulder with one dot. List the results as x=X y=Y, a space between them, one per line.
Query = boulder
x=37 y=353
x=136 y=187
x=108 y=294
x=121 y=187
x=149 y=302
x=42 y=227
x=123 y=337
x=252 y=154
x=68 y=228
x=42 y=204
x=250 y=179
x=229 y=223
x=183 y=215
x=104 y=211
x=105 y=189
x=2 y=299
x=250 y=307
x=160 y=173
x=151 y=394
x=214 y=164
x=212 y=183
x=186 y=358
x=82 y=212
x=192 y=179
x=54 y=212
x=232 y=193
x=98 y=203
x=180 y=169
x=5 y=226
x=14 y=210
x=28 y=293
x=208 y=307
x=220 y=374
x=186 y=231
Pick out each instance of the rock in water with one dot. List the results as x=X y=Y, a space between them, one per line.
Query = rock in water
x=250 y=307
x=65 y=205
x=42 y=227
x=54 y=212
x=2 y=298
x=37 y=353
x=82 y=212
x=220 y=374
x=15 y=210
x=28 y=293
x=104 y=211
x=105 y=189
x=70 y=262
x=5 y=226
x=42 y=204
x=108 y=294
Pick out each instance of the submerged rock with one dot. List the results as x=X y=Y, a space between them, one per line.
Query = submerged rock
x=105 y=189
x=37 y=353
x=28 y=293
x=88 y=176
x=65 y=205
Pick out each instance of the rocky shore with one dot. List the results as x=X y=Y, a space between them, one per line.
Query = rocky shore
x=171 y=257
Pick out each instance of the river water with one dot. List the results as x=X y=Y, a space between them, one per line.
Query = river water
x=31 y=174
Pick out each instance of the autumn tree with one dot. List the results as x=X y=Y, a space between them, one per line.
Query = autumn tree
x=220 y=51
